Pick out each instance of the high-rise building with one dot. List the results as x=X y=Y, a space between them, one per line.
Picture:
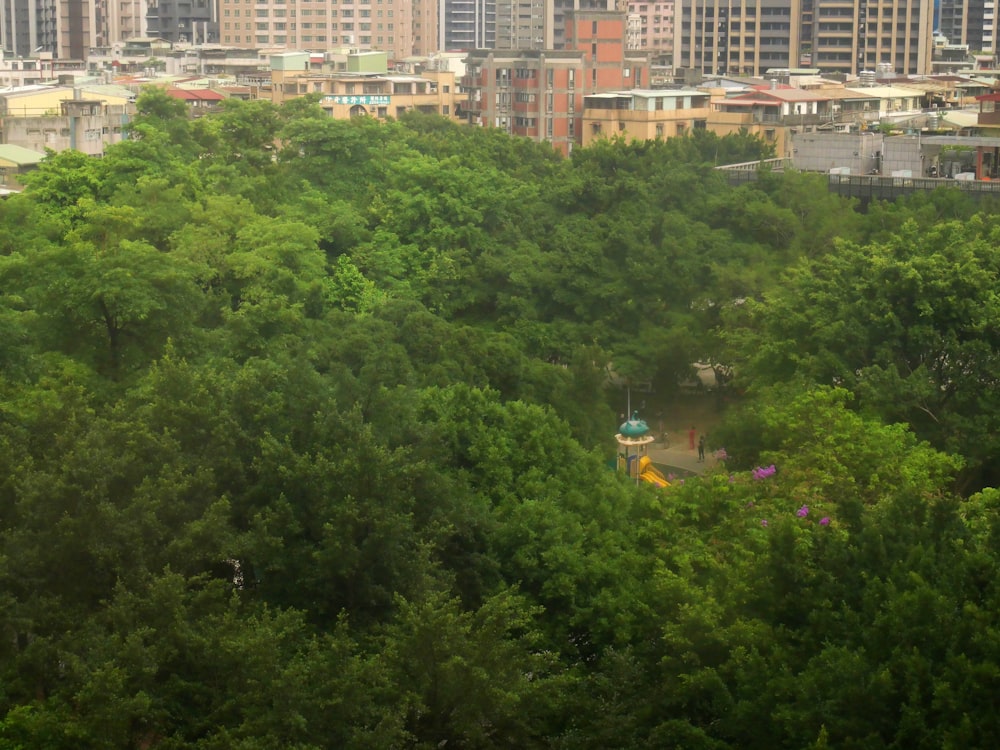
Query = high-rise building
x=656 y=23
x=720 y=37
x=467 y=24
x=63 y=27
x=736 y=37
x=849 y=37
x=969 y=22
x=539 y=93
x=539 y=24
x=190 y=21
x=391 y=26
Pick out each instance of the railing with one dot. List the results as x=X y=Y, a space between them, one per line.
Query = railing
x=889 y=188
x=754 y=166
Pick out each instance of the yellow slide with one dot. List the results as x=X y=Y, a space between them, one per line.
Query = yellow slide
x=649 y=473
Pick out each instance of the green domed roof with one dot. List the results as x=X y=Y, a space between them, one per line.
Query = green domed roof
x=634 y=427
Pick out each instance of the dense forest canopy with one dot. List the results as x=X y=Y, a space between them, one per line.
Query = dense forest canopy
x=304 y=427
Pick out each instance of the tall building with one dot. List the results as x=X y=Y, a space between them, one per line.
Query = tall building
x=120 y=20
x=732 y=37
x=539 y=24
x=849 y=37
x=186 y=21
x=737 y=37
x=656 y=23
x=539 y=94
x=425 y=27
x=969 y=22
x=319 y=25
x=63 y=27
x=467 y=24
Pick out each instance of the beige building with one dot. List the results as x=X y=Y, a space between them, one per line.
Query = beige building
x=656 y=24
x=61 y=117
x=721 y=37
x=751 y=37
x=850 y=37
x=538 y=24
x=644 y=115
x=320 y=25
x=366 y=88
x=83 y=125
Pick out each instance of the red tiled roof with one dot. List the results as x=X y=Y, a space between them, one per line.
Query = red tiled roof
x=195 y=95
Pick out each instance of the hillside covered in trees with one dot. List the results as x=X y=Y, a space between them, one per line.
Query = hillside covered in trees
x=304 y=446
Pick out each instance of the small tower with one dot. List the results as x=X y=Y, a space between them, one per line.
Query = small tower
x=633 y=437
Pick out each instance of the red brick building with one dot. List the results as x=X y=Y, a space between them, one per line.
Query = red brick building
x=539 y=93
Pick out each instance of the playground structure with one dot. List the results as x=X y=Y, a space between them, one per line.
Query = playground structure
x=649 y=473
x=633 y=440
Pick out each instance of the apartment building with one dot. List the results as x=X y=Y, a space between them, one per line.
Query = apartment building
x=182 y=21
x=750 y=37
x=320 y=25
x=969 y=22
x=656 y=24
x=644 y=115
x=61 y=117
x=746 y=37
x=856 y=35
x=539 y=24
x=365 y=88
x=467 y=24
x=539 y=94
x=66 y=28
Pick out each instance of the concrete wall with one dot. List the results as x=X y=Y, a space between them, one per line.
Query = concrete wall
x=821 y=152
x=87 y=134
x=902 y=154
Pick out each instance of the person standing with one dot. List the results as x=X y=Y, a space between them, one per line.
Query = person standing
x=701 y=449
x=691 y=436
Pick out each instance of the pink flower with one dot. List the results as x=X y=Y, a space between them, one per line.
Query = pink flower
x=763 y=473
x=824 y=521
x=763 y=522
x=803 y=511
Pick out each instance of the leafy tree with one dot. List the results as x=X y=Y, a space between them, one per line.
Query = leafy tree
x=904 y=324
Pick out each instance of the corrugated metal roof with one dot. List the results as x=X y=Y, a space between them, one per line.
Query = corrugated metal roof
x=19 y=155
